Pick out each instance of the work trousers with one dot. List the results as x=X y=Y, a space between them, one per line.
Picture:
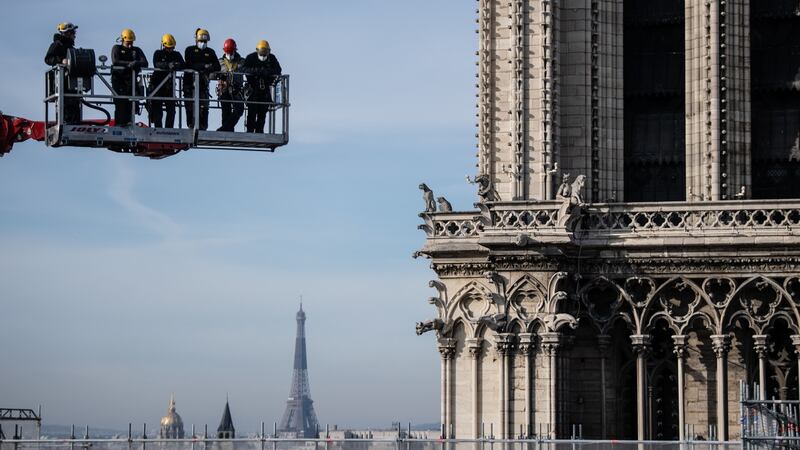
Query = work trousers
x=189 y=94
x=231 y=112
x=157 y=108
x=257 y=112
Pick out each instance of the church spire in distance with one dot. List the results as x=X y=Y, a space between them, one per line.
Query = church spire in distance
x=299 y=420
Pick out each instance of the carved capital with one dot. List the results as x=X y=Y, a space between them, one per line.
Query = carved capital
x=551 y=343
x=760 y=345
x=504 y=343
x=474 y=347
x=447 y=348
x=721 y=343
x=679 y=345
x=526 y=343
x=796 y=342
x=641 y=344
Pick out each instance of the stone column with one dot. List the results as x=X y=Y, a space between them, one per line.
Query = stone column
x=679 y=342
x=796 y=342
x=760 y=346
x=650 y=411
x=525 y=349
x=474 y=347
x=551 y=343
x=721 y=344
x=504 y=346
x=567 y=342
x=641 y=347
x=603 y=343
x=447 y=348
x=717 y=99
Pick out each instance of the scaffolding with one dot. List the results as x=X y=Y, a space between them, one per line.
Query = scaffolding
x=20 y=415
x=771 y=424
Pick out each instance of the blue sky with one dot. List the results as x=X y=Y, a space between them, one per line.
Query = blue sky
x=123 y=280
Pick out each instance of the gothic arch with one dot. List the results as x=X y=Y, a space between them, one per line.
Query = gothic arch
x=527 y=298
x=469 y=328
x=758 y=313
x=605 y=312
x=470 y=303
x=678 y=311
x=536 y=326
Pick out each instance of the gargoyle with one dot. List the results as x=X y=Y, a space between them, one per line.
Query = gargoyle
x=444 y=205
x=495 y=322
x=429 y=325
x=486 y=190
x=427 y=196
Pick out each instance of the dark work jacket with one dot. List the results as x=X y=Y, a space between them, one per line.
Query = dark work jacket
x=58 y=49
x=124 y=63
x=197 y=59
x=165 y=62
x=261 y=74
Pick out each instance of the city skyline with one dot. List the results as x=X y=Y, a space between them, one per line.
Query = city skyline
x=124 y=279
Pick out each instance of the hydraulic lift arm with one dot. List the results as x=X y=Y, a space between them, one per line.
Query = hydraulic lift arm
x=16 y=129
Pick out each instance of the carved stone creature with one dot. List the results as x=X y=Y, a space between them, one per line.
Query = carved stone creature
x=564 y=191
x=429 y=325
x=444 y=205
x=427 y=196
x=486 y=190
x=495 y=322
x=572 y=207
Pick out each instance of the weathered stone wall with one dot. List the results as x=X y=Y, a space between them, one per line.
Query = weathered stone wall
x=518 y=274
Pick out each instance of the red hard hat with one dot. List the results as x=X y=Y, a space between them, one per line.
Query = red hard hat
x=229 y=46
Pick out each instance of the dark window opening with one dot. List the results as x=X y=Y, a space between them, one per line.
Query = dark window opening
x=775 y=82
x=654 y=100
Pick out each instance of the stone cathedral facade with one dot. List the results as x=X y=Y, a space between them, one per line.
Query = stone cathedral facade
x=634 y=254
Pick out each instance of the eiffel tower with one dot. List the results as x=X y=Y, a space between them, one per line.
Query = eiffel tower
x=299 y=420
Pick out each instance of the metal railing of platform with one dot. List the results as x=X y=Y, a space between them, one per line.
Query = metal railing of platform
x=97 y=93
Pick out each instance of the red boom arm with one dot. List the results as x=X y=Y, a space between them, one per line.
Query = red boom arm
x=16 y=129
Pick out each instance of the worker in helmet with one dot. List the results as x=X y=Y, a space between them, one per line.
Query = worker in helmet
x=64 y=40
x=127 y=61
x=262 y=69
x=229 y=86
x=166 y=61
x=203 y=59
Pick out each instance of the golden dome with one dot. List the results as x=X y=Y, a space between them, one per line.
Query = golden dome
x=171 y=424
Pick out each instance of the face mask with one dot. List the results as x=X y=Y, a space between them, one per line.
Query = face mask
x=229 y=56
x=201 y=45
x=262 y=58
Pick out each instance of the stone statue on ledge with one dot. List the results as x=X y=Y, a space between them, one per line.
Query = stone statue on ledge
x=565 y=190
x=572 y=206
x=427 y=196
x=444 y=205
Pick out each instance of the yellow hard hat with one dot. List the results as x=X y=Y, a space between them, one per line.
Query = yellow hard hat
x=202 y=35
x=65 y=27
x=127 y=35
x=168 y=40
x=262 y=44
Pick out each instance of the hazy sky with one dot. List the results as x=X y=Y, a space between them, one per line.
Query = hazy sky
x=123 y=280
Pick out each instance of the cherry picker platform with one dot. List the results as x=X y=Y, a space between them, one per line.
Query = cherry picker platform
x=81 y=82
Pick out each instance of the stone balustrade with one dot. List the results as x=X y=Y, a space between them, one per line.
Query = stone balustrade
x=781 y=216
